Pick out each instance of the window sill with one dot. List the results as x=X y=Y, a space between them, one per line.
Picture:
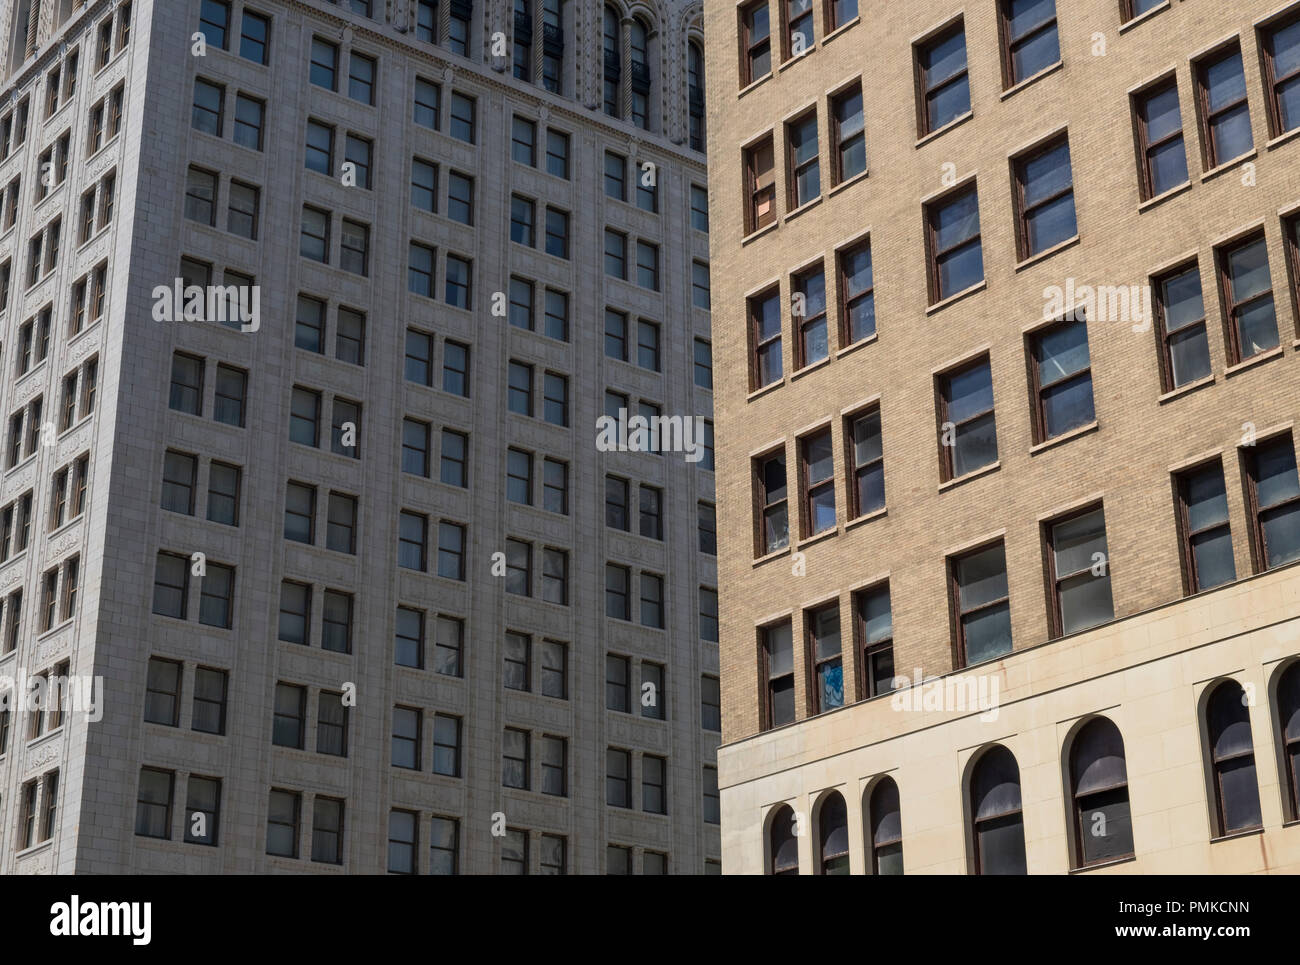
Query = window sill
x=938 y=306
x=1249 y=832
x=1030 y=81
x=1227 y=166
x=759 y=393
x=774 y=555
x=844 y=185
x=1164 y=196
x=795 y=58
x=1183 y=390
x=753 y=84
x=791 y=215
x=1103 y=864
x=62 y=624
x=1064 y=438
x=841 y=29
x=809 y=369
x=1044 y=255
x=939 y=132
x=972 y=475
x=758 y=233
x=1284 y=138
x=817 y=537
x=1143 y=18
x=1250 y=363
x=869 y=517
x=53 y=732
x=873 y=337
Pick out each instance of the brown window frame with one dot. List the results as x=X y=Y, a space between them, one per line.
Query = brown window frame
x=846 y=301
x=923 y=90
x=1127 y=12
x=1291 y=243
x=1250 y=482
x=1209 y=147
x=834 y=134
x=853 y=470
x=942 y=389
x=802 y=324
x=793 y=170
x=765 y=677
x=748 y=47
x=1055 y=617
x=1009 y=78
x=787 y=37
x=1019 y=173
x=933 y=254
x=1145 y=146
x=757 y=345
x=1231 y=307
x=863 y=650
x=1217 y=763
x=762 y=504
x=1036 y=387
x=1191 y=581
x=807 y=487
x=757 y=186
x=1265 y=38
x=812 y=664
x=1160 y=321
x=1285 y=744
x=954 y=597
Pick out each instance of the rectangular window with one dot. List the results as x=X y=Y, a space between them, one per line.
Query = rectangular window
x=201 y=196
x=448 y=644
x=314 y=237
x=1181 y=325
x=867 y=464
x=171 y=585
x=446 y=745
x=1061 y=376
x=1273 y=501
x=848 y=138
x=214 y=22
x=943 y=84
x=709 y=614
x=460 y=198
x=341 y=524
x=451 y=551
x=419 y=357
x=327 y=830
x=557 y=153
x=209 y=100
x=462 y=117
x=654 y=695
x=967 y=427
x=615 y=176
x=324 y=64
x=522 y=221
x=415 y=447
x=217 y=596
x=304 y=417
x=289 y=719
x=874 y=633
x=520 y=388
x=808 y=309
x=616 y=503
x=555 y=487
x=773 y=530
x=209 y=701
x=760 y=185
x=331 y=725
x=515 y=672
x=755 y=43
x=615 y=254
x=1162 y=155
x=406 y=738
x=1203 y=527
x=403 y=842
x=354 y=248
x=519 y=565
x=803 y=168
x=428 y=103
x=162 y=695
x=554 y=755
x=1079 y=569
x=523 y=141
x=700 y=208
x=654 y=780
x=557 y=233
x=254 y=37
x=453 y=459
x=765 y=338
x=1223 y=108
x=361 y=78
x=825 y=660
x=180 y=472
x=1280 y=47
x=460 y=280
x=336 y=631
x=618 y=778
x=424 y=185
x=420 y=269
x=412 y=539
x=618 y=604
x=203 y=798
x=514 y=852
x=444 y=846
x=647 y=191
x=153 y=807
x=652 y=601
x=1045 y=199
x=701 y=294
x=319 y=154
x=408 y=642
x=652 y=509
x=1029 y=38
x=282 y=822
x=515 y=759
x=1247 y=287
x=241 y=210
x=817 y=472
x=555 y=576
x=359 y=151
x=777 y=663
x=982 y=609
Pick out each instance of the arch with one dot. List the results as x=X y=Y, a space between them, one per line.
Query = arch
x=783 y=844
x=695 y=95
x=884 y=826
x=832 y=835
x=1286 y=697
x=1230 y=759
x=997 y=825
x=1101 y=820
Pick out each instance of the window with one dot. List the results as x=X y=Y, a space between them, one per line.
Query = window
x=250 y=114
x=555 y=576
x=412 y=536
x=522 y=218
x=208 y=102
x=695 y=95
x=618 y=604
x=648 y=345
x=514 y=852
x=808 y=308
x=1224 y=111
x=615 y=176
x=1204 y=531
x=555 y=487
x=520 y=388
x=1103 y=827
x=554 y=755
x=327 y=830
x=1162 y=156
x=981 y=604
x=968 y=431
x=515 y=674
x=886 y=829
x=652 y=601
x=1273 y=501
x=817 y=472
x=300 y=513
x=406 y=738
x=618 y=778
x=615 y=334
x=331 y=725
x=848 y=139
x=361 y=78
x=415 y=447
x=802 y=163
x=460 y=275
x=760 y=185
x=555 y=658
x=956 y=254
x=615 y=254
x=428 y=103
x=204 y=804
x=765 y=337
x=1061 y=375
x=419 y=357
x=336 y=631
x=1280 y=47
x=420 y=269
x=162 y=694
x=424 y=185
x=1029 y=38
x=1079 y=568
x=826 y=670
x=341 y=525
x=460 y=198
x=523 y=141
x=1288 y=717
x=350 y=337
x=1180 y=316
x=462 y=117
x=451 y=551
x=354 y=248
x=755 y=43
x=783 y=845
x=556 y=320
x=1232 y=760
x=654 y=779
x=254 y=37
x=179 y=474
x=618 y=684
x=557 y=153
x=209 y=701
x=776 y=656
x=153 y=803
x=408 y=643
x=612 y=69
x=652 y=512
x=521 y=303
x=241 y=210
x=770 y=480
x=228 y=403
x=998 y=829
x=875 y=638
x=557 y=233
x=217 y=595
x=1045 y=199
x=446 y=745
x=833 y=835
x=214 y=21
x=444 y=836
x=647 y=189
x=519 y=565
x=314 y=238
x=703 y=364
x=515 y=759
x=319 y=155
x=1135 y=8
x=403 y=835
x=289 y=718
x=358 y=152
x=1248 y=298
x=201 y=196
x=324 y=64
x=867 y=494
x=942 y=81
x=171 y=585
x=617 y=515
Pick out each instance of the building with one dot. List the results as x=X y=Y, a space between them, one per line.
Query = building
x=1007 y=545
x=307 y=329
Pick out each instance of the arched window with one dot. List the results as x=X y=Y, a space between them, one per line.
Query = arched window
x=886 y=824
x=785 y=846
x=695 y=94
x=1232 y=760
x=639 y=47
x=613 y=62
x=1288 y=706
x=1099 y=784
x=833 y=829
x=998 y=827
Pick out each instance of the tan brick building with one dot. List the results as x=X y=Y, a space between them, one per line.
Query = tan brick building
x=1006 y=326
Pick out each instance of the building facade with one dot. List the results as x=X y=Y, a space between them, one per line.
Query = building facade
x=309 y=314
x=1007 y=537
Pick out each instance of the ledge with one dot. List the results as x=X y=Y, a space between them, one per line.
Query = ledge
x=776 y=223
x=873 y=337
x=869 y=517
x=1251 y=362
x=972 y=475
x=1164 y=196
x=841 y=29
x=774 y=555
x=1183 y=390
x=860 y=176
x=1044 y=255
x=939 y=132
x=1281 y=139
x=770 y=387
x=1249 y=832
x=809 y=369
x=938 y=306
x=1064 y=438
x=1143 y=18
x=791 y=215
x=1227 y=166
x=1102 y=864
x=818 y=537
x=752 y=84
x=1030 y=81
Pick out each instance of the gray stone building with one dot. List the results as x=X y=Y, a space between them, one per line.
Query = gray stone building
x=308 y=316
